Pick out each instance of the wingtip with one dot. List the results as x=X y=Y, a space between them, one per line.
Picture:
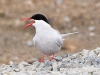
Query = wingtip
x=63 y=35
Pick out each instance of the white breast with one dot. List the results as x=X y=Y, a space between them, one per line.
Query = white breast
x=47 y=40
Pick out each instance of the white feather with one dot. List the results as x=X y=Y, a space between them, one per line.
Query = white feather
x=63 y=35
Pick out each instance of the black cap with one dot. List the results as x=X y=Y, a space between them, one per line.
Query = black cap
x=39 y=17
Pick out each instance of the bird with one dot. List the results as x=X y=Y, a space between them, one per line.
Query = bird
x=47 y=40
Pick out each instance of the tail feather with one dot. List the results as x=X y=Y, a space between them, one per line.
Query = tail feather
x=63 y=35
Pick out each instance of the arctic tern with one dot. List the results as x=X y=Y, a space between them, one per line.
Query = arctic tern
x=48 y=40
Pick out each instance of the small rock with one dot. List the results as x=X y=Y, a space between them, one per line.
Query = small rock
x=30 y=43
x=63 y=64
x=56 y=73
x=11 y=73
x=30 y=61
x=58 y=58
x=17 y=70
x=42 y=65
x=85 y=73
x=22 y=65
x=97 y=50
x=98 y=60
x=22 y=73
x=91 y=34
x=17 y=22
x=47 y=63
x=91 y=55
x=55 y=66
x=91 y=28
x=32 y=72
x=74 y=28
x=59 y=1
x=13 y=65
x=65 y=56
x=67 y=19
x=36 y=64
x=85 y=53
x=63 y=69
x=74 y=56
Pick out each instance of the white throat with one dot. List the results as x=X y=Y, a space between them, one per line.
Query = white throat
x=41 y=25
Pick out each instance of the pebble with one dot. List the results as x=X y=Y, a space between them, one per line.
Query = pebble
x=65 y=56
x=86 y=62
x=91 y=28
x=91 y=34
x=30 y=61
x=85 y=53
x=74 y=28
x=22 y=73
x=58 y=58
x=31 y=72
x=30 y=43
x=13 y=65
x=91 y=55
x=67 y=19
x=47 y=62
x=54 y=66
x=56 y=73
x=22 y=65
x=59 y=1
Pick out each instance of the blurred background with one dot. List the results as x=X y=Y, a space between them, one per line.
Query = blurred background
x=67 y=16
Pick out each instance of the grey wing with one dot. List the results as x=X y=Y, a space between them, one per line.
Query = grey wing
x=57 y=31
x=59 y=42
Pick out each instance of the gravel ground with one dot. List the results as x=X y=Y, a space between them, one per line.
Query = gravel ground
x=86 y=62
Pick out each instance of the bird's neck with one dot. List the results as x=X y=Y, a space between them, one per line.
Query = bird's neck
x=42 y=26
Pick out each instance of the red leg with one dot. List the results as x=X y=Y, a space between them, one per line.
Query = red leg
x=52 y=57
x=42 y=60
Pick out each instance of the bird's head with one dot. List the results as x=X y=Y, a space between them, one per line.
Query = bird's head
x=35 y=18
